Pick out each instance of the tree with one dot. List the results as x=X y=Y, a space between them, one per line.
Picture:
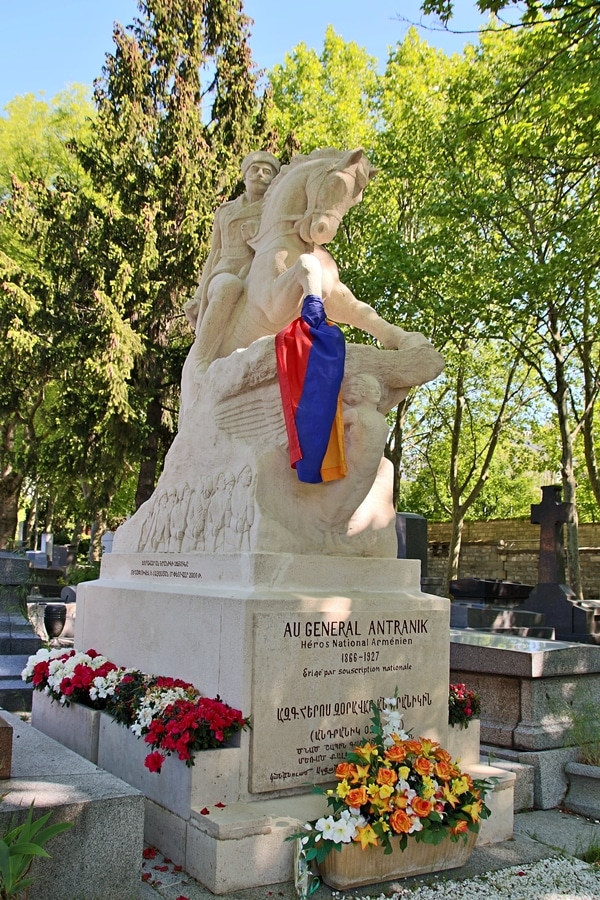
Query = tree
x=68 y=353
x=176 y=112
x=465 y=443
x=326 y=99
x=521 y=179
x=34 y=136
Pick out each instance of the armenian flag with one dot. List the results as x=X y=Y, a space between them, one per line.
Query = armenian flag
x=310 y=364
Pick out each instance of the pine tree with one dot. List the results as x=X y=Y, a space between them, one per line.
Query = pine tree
x=177 y=110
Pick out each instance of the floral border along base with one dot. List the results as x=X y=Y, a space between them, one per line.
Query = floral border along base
x=354 y=867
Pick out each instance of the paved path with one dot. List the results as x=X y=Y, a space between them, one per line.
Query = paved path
x=539 y=834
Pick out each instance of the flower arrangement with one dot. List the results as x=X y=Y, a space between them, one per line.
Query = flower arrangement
x=395 y=786
x=70 y=676
x=463 y=705
x=171 y=715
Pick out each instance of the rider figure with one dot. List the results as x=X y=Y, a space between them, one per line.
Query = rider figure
x=230 y=257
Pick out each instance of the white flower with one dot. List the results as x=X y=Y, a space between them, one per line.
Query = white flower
x=327 y=828
x=416 y=824
x=343 y=831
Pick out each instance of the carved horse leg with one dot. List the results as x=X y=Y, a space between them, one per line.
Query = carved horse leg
x=224 y=295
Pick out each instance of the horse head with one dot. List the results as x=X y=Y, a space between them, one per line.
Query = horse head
x=334 y=187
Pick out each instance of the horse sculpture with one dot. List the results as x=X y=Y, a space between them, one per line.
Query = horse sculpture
x=227 y=480
x=303 y=208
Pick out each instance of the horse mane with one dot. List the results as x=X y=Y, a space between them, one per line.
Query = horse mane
x=319 y=162
x=299 y=160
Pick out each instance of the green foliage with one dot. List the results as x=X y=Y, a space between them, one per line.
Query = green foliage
x=325 y=100
x=177 y=110
x=35 y=136
x=18 y=848
x=583 y=718
x=78 y=574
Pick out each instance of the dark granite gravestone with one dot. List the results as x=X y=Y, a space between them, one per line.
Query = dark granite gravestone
x=490 y=590
x=411 y=531
x=17 y=638
x=552 y=596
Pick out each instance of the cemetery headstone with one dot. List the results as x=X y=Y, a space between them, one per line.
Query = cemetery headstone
x=411 y=530
x=552 y=596
x=17 y=637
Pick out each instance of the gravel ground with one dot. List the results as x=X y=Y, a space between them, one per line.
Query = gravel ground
x=549 y=879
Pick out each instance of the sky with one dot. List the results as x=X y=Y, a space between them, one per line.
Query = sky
x=46 y=45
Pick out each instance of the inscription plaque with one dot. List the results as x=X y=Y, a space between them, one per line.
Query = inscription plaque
x=315 y=675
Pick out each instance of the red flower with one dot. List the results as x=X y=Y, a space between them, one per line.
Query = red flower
x=154 y=761
x=41 y=672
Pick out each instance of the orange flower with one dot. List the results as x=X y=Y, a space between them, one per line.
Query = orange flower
x=413 y=746
x=356 y=797
x=421 y=807
x=395 y=754
x=442 y=755
x=400 y=822
x=386 y=776
x=423 y=766
x=346 y=770
x=444 y=770
x=460 y=828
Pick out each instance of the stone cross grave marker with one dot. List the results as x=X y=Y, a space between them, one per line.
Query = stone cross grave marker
x=551 y=515
x=552 y=596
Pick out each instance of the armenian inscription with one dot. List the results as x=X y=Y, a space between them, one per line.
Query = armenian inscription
x=165 y=568
x=317 y=675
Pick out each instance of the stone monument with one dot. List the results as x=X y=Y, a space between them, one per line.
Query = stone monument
x=283 y=596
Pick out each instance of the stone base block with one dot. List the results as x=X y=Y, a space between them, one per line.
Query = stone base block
x=164 y=829
x=463 y=743
x=214 y=777
x=74 y=726
x=499 y=826
x=549 y=779
x=101 y=855
x=245 y=843
x=583 y=796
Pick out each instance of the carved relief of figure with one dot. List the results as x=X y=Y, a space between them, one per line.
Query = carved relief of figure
x=162 y=523
x=179 y=513
x=242 y=509
x=365 y=428
x=203 y=496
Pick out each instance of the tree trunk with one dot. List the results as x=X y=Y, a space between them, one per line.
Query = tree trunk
x=98 y=529
x=149 y=465
x=458 y=520
x=393 y=449
x=10 y=490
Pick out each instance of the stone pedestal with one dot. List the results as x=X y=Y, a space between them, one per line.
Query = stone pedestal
x=301 y=644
